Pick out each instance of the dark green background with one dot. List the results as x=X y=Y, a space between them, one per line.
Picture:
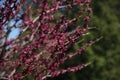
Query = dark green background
x=105 y=54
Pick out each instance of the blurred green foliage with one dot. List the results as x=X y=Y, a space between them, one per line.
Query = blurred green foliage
x=105 y=54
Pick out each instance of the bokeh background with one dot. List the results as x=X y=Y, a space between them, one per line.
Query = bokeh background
x=105 y=54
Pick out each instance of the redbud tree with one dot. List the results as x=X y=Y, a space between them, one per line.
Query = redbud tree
x=43 y=42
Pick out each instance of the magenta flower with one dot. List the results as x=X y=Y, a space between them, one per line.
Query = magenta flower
x=45 y=37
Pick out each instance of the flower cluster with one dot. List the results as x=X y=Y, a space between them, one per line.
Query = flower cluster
x=44 y=40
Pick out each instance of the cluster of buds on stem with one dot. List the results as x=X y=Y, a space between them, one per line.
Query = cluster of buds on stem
x=43 y=42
